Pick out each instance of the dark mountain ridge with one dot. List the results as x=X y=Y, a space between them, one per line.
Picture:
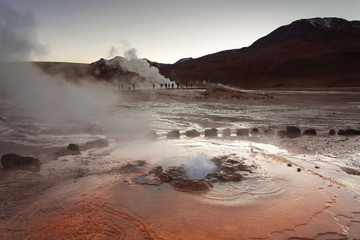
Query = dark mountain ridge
x=308 y=53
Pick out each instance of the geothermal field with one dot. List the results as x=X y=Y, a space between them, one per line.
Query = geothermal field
x=234 y=120
x=206 y=162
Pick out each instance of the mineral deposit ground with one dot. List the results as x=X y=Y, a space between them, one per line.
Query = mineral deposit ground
x=186 y=164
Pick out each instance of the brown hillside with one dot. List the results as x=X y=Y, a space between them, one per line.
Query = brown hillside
x=312 y=53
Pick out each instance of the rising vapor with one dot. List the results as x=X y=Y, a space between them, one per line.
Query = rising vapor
x=132 y=63
x=44 y=97
x=18 y=38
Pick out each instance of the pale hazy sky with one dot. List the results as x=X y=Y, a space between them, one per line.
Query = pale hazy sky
x=164 y=30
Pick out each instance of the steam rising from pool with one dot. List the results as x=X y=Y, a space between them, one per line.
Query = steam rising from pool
x=198 y=166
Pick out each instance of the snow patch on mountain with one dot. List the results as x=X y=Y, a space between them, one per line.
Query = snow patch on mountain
x=332 y=23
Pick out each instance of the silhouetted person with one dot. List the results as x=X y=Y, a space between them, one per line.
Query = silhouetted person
x=133 y=86
x=161 y=85
x=186 y=85
x=190 y=85
x=172 y=85
x=165 y=85
x=153 y=85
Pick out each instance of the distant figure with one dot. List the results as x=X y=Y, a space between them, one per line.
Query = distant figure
x=161 y=85
x=153 y=85
x=177 y=85
x=172 y=85
x=165 y=85
x=190 y=85
x=133 y=86
x=186 y=85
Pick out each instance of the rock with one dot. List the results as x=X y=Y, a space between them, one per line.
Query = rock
x=168 y=175
x=73 y=147
x=332 y=132
x=289 y=165
x=341 y=132
x=161 y=175
x=293 y=132
x=211 y=132
x=317 y=167
x=351 y=132
x=192 y=133
x=269 y=132
x=254 y=131
x=228 y=170
x=309 y=132
x=351 y=171
x=12 y=160
x=189 y=185
x=130 y=167
x=175 y=134
x=98 y=143
x=281 y=133
x=175 y=176
x=226 y=132
x=242 y=132
x=298 y=169
x=225 y=175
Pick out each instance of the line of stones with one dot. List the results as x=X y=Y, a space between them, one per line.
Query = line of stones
x=290 y=132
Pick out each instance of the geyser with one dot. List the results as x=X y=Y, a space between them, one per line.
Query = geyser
x=199 y=166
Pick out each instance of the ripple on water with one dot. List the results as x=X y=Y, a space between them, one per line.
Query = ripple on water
x=246 y=191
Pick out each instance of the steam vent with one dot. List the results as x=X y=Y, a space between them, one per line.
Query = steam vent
x=171 y=135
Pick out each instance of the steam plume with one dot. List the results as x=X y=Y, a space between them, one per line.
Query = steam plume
x=132 y=63
x=18 y=39
x=45 y=97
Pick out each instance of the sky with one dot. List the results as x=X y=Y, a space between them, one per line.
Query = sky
x=160 y=30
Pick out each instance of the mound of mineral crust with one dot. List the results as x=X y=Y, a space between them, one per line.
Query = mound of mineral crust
x=228 y=170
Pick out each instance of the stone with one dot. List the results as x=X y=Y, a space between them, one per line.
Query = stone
x=73 y=147
x=332 y=132
x=289 y=165
x=226 y=175
x=269 y=132
x=98 y=143
x=175 y=134
x=189 y=185
x=309 y=132
x=228 y=170
x=12 y=160
x=298 y=169
x=351 y=132
x=293 y=132
x=226 y=132
x=254 y=131
x=342 y=132
x=242 y=132
x=192 y=133
x=351 y=171
x=211 y=132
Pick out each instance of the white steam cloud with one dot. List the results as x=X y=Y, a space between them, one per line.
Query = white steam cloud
x=132 y=63
x=52 y=98
x=45 y=97
x=18 y=39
